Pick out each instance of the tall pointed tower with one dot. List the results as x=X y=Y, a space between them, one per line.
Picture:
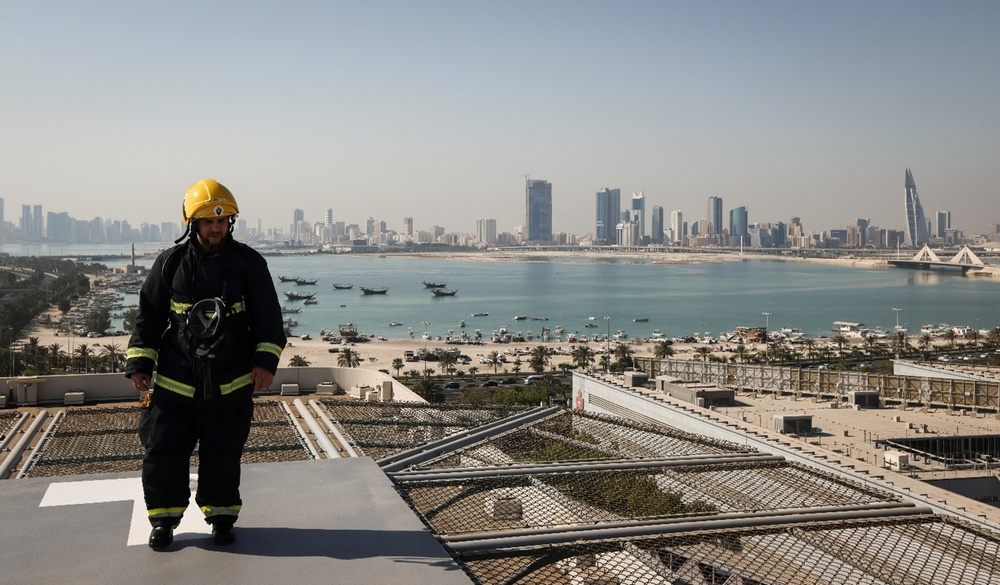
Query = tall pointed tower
x=916 y=224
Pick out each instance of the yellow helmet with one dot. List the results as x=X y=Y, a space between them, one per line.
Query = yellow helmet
x=208 y=198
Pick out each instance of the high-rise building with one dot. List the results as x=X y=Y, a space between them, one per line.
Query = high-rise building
x=328 y=218
x=639 y=212
x=608 y=215
x=2 y=226
x=916 y=224
x=714 y=216
x=538 y=211
x=943 y=222
x=407 y=226
x=656 y=224
x=738 y=222
x=298 y=216
x=677 y=226
x=486 y=231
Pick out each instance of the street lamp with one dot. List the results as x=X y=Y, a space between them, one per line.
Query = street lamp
x=896 y=332
x=767 y=323
x=607 y=362
x=898 y=311
x=425 y=324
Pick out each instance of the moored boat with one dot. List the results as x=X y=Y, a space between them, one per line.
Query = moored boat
x=435 y=284
x=444 y=293
x=373 y=291
x=294 y=296
x=343 y=286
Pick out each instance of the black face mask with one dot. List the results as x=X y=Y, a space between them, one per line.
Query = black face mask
x=205 y=324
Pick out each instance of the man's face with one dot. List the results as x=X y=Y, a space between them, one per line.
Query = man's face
x=212 y=231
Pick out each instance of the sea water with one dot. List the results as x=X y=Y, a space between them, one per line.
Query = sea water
x=677 y=299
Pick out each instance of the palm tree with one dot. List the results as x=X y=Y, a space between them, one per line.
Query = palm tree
x=539 y=359
x=473 y=370
x=112 y=352
x=623 y=355
x=298 y=361
x=85 y=353
x=429 y=390
x=950 y=336
x=741 y=352
x=348 y=358
x=925 y=341
x=493 y=360
x=703 y=352
x=663 y=349
x=398 y=364
x=994 y=337
x=975 y=337
x=582 y=356
x=810 y=345
x=56 y=354
x=840 y=339
x=447 y=361
x=870 y=341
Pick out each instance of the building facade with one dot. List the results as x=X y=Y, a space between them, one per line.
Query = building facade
x=916 y=224
x=538 y=211
x=639 y=212
x=656 y=225
x=608 y=215
x=714 y=216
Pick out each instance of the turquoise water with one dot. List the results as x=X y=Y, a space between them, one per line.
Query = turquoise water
x=678 y=299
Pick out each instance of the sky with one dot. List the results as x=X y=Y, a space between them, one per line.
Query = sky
x=438 y=110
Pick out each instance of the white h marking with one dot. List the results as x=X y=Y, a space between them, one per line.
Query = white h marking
x=72 y=493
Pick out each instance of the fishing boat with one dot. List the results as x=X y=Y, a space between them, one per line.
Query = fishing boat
x=310 y=302
x=640 y=319
x=435 y=284
x=373 y=291
x=348 y=330
x=481 y=314
x=520 y=317
x=343 y=286
x=444 y=293
x=287 y=278
x=294 y=296
x=394 y=323
x=305 y=281
x=290 y=309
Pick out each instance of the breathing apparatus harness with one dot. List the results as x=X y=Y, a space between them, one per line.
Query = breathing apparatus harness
x=202 y=325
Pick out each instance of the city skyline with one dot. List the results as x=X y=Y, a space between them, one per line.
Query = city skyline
x=438 y=110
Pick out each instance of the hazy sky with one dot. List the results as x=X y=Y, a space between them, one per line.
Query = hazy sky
x=437 y=110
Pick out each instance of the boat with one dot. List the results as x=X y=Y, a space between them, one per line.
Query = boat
x=343 y=286
x=373 y=291
x=305 y=337
x=444 y=293
x=520 y=317
x=305 y=281
x=310 y=302
x=435 y=284
x=348 y=330
x=288 y=278
x=288 y=321
x=394 y=323
x=640 y=319
x=591 y=325
x=290 y=309
x=539 y=318
x=591 y=318
x=480 y=314
x=294 y=296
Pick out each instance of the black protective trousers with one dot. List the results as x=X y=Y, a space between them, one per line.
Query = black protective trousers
x=170 y=428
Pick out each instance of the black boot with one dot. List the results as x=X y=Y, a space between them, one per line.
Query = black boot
x=223 y=532
x=162 y=535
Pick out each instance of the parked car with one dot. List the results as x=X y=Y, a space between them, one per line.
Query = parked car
x=490 y=383
x=508 y=382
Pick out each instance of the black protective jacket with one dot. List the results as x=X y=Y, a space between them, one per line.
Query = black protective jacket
x=253 y=328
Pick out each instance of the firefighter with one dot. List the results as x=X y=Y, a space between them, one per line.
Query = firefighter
x=209 y=323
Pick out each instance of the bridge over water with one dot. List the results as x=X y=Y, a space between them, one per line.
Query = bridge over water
x=926 y=259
